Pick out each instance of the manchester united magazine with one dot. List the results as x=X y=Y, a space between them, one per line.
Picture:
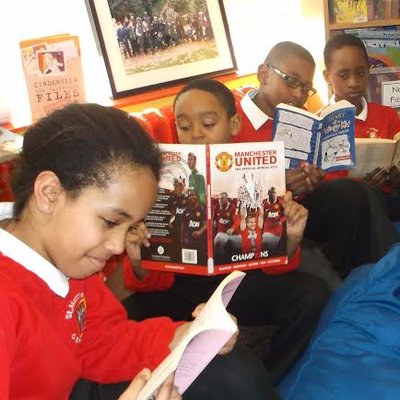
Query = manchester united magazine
x=219 y=209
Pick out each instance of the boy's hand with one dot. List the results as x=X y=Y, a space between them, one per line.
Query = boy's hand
x=136 y=237
x=377 y=178
x=303 y=179
x=314 y=174
x=394 y=176
x=296 y=216
x=166 y=391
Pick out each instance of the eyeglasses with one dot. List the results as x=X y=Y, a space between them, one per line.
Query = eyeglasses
x=294 y=83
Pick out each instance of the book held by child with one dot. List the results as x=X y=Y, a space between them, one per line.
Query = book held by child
x=325 y=140
x=372 y=153
x=53 y=73
x=219 y=209
x=207 y=335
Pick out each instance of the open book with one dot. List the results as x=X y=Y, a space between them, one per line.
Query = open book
x=208 y=333
x=325 y=140
x=219 y=209
x=372 y=153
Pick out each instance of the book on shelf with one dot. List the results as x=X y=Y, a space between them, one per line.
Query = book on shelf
x=383 y=48
x=206 y=336
x=325 y=139
x=219 y=209
x=372 y=153
x=53 y=73
x=10 y=144
x=348 y=10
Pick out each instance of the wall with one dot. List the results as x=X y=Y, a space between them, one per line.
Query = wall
x=253 y=29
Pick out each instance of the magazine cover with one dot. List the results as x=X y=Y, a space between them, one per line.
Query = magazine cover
x=219 y=209
x=53 y=73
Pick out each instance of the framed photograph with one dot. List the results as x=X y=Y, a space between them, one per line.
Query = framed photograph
x=152 y=43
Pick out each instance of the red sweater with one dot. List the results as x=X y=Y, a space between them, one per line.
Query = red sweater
x=48 y=342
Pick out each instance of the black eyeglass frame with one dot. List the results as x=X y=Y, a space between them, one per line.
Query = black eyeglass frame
x=293 y=82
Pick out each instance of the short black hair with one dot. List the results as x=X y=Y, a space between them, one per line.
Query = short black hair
x=339 y=41
x=83 y=144
x=214 y=87
x=283 y=50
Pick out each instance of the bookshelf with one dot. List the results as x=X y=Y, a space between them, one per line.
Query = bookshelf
x=377 y=23
x=370 y=14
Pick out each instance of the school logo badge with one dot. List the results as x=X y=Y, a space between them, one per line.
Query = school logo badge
x=77 y=313
x=224 y=161
x=80 y=313
x=372 y=133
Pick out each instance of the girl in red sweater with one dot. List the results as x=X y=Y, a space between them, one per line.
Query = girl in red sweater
x=86 y=175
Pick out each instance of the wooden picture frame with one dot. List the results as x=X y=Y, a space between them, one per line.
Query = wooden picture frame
x=145 y=49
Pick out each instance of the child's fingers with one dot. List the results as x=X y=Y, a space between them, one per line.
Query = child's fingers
x=167 y=391
x=295 y=212
x=136 y=385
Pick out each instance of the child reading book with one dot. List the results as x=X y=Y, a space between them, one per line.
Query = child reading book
x=280 y=296
x=78 y=192
x=339 y=220
x=347 y=73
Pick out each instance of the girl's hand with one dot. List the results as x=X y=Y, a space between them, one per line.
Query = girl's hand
x=166 y=391
x=182 y=329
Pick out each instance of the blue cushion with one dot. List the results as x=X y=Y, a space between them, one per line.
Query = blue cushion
x=355 y=350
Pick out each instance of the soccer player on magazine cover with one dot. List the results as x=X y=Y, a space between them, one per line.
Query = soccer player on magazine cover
x=280 y=296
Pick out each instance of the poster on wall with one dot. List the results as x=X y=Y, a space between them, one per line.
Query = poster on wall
x=149 y=44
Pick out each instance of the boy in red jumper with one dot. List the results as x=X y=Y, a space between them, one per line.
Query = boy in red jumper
x=290 y=300
x=347 y=73
x=86 y=175
x=342 y=220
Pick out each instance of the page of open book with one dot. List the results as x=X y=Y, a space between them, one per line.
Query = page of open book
x=338 y=105
x=295 y=129
x=208 y=333
x=372 y=153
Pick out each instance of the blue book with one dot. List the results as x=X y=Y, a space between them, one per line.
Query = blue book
x=325 y=140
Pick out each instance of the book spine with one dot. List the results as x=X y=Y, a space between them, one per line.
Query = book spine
x=316 y=157
x=210 y=258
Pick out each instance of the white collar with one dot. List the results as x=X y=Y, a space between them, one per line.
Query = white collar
x=256 y=116
x=6 y=210
x=17 y=250
x=364 y=112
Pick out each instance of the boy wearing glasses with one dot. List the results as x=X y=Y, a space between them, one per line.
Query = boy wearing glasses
x=340 y=217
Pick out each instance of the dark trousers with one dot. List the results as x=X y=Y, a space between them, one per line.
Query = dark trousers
x=349 y=223
x=234 y=376
x=291 y=302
